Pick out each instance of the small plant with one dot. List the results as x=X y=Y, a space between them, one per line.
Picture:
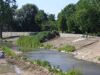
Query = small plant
x=67 y=48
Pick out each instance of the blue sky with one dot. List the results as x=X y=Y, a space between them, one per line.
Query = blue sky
x=49 y=6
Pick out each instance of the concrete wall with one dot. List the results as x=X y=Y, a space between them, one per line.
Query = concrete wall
x=70 y=35
x=9 y=34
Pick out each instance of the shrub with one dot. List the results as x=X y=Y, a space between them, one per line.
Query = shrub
x=67 y=48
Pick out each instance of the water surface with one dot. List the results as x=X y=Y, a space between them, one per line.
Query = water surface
x=65 y=61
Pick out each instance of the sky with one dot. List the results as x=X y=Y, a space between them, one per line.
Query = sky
x=49 y=6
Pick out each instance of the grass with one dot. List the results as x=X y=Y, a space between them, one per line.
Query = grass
x=74 y=72
x=53 y=69
x=8 y=52
x=34 y=41
x=28 y=42
x=67 y=48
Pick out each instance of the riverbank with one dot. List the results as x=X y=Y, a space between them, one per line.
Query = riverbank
x=21 y=68
x=26 y=68
x=89 y=53
x=87 y=49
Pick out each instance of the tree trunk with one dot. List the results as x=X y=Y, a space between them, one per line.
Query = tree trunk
x=1 y=31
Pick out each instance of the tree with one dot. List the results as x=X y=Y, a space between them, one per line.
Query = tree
x=88 y=15
x=69 y=13
x=26 y=16
x=51 y=17
x=6 y=13
x=41 y=19
x=62 y=26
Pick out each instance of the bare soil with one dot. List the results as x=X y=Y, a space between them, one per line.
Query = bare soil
x=87 y=49
x=25 y=67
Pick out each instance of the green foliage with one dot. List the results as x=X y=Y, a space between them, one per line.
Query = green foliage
x=69 y=24
x=62 y=26
x=30 y=18
x=74 y=72
x=71 y=72
x=67 y=48
x=29 y=42
x=55 y=70
x=25 y=18
x=41 y=63
x=6 y=13
x=8 y=52
x=88 y=16
x=82 y=17
x=46 y=35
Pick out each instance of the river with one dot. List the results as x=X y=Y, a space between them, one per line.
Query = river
x=64 y=61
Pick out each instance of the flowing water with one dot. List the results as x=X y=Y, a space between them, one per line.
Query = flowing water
x=65 y=61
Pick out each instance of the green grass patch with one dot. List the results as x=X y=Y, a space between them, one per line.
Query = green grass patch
x=28 y=42
x=8 y=52
x=73 y=72
x=67 y=48
x=35 y=41
x=53 y=69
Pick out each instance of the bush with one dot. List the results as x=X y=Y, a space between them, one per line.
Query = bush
x=67 y=48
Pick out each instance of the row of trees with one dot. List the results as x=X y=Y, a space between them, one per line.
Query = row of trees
x=83 y=17
x=30 y=18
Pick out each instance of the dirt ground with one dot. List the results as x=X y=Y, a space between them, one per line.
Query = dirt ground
x=89 y=53
x=86 y=49
x=21 y=69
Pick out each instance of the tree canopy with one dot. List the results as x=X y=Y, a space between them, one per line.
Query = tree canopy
x=82 y=17
x=6 y=13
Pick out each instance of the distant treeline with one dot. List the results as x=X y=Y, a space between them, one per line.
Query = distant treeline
x=82 y=17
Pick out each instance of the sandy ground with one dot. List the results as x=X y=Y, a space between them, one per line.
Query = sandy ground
x=90 y=53
x=86 y=49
